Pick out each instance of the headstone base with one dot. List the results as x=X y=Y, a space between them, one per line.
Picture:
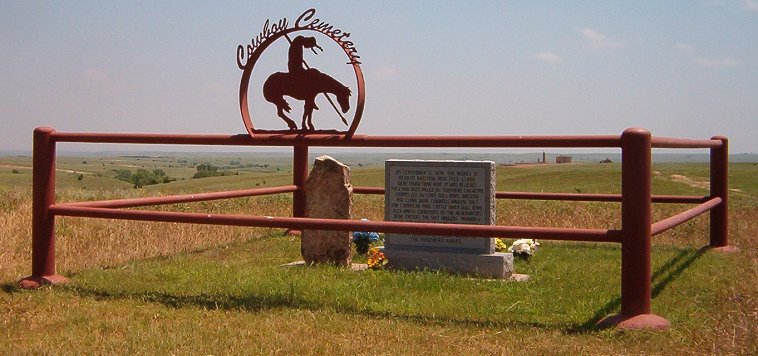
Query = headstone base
x=495 y=265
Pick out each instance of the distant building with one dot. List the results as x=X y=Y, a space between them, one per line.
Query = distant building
x=562 y=159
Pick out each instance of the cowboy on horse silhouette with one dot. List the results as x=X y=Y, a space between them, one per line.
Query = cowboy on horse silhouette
x=303 y=83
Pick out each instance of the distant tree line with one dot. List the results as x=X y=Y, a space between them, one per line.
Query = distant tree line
x=234 y=164
x=143 y=177
x=208 y=170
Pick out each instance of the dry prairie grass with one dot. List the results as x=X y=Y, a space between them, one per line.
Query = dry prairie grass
x=83 y=243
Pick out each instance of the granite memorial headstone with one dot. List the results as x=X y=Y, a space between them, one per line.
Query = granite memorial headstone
x=459 y=192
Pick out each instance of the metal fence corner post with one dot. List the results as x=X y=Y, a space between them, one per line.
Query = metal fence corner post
x=43 y=222
x=719 y=238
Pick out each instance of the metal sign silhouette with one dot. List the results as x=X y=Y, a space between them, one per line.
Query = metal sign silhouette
x=301 y=82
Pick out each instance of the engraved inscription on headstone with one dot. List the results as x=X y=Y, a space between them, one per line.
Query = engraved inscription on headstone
x=459 y=192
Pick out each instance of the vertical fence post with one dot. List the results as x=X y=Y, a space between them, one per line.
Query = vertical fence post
x=636 y=220
x=299 y=176
x=43 y=222
x=720 y=188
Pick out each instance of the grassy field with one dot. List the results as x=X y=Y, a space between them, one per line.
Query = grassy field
x=192 y=289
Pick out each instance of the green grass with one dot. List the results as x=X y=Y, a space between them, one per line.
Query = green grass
x=235 y=298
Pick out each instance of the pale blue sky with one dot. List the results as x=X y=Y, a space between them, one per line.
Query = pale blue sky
x=678 y=68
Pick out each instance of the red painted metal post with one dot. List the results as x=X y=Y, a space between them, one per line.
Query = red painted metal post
x=720 y=189
x=636 y=220
x=43 y=222
x=299 y=176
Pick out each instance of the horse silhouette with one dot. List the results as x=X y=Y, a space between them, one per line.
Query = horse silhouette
x=303 y=85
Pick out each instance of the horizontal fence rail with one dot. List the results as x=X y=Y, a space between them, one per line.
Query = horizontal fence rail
x=636 y=198
x=681 y=199
x=668 y=142
x=186 y=198
x=683 y=217
x=463 y=230
x=321 y=140
x=583 y=141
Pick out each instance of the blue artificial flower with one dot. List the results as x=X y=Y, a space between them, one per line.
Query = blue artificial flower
x=365 y=236
x=362 y=235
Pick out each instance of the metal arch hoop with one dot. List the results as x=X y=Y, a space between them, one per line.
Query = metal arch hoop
x=248 y=71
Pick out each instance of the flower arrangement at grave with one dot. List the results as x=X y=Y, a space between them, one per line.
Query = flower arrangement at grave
x=376 y=259
x=363 y=240
x=500 y=245
x=524 y=248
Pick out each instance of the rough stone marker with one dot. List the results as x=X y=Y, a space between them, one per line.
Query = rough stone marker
x=458 y=192
x=328 y=195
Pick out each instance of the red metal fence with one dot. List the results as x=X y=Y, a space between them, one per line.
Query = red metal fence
x=636 y=199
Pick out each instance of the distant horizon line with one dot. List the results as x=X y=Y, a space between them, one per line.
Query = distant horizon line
x=286 y=151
